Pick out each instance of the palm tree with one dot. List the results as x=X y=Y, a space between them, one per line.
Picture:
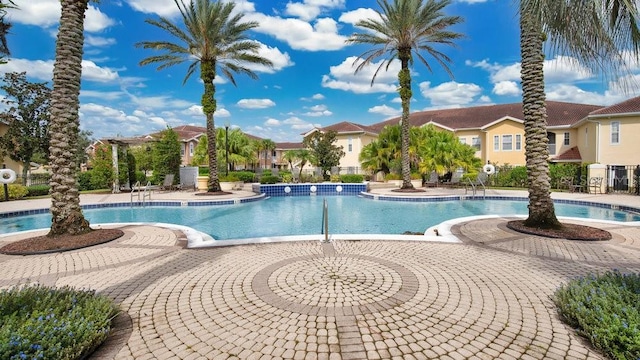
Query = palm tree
x=595 y=33
x=267 y=145
x=404 y=29
x=4 y=26
x=215 y=39
x=64 y=124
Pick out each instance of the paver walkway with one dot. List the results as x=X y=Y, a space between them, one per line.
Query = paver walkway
x=487 y=297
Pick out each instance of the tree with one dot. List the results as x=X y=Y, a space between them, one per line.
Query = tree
x=144 y=158
x=267 y=145
x=27 y=116
x=4 y=28
x=302 y=156
x=441 y=151
x=404 y=29
x=323 y=151
x=64 y=124
x=215 y=37
x=594 y=32
x=166 y=156
x=384 y=153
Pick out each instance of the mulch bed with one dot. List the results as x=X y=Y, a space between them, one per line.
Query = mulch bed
x=411 y=190
x=567 y=231
x=213 y=193
x=45 y=245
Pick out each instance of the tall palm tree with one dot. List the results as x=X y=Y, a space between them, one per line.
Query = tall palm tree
x=215 y=39
x=594 y=32
x=4 y=26
x=403 y=30
x=64 y=124
x=267 y=145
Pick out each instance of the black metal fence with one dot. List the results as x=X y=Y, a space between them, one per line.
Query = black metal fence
x=623 y=179
x=34 y=179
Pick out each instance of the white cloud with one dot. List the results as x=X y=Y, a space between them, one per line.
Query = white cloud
x=299 y=34
x=272 y=122
x=149 y=103
x=573 y=94
x=102 y=95
x=450 y=93
x=165 y=8
x=310 y=9
x=354 y=16
x=298 y=124
x=342 y=77
x=193 y=110
x=46 y=13
x=507 y=88
x=279 y=59
x=313 y=97
x=561 y=69
x=43 y=70
x=318 y=110
x=99 y=41
x=223 y=113
x=385 y=110
x=255 y=103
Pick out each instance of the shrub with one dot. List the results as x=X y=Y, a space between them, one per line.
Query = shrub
x=606 y=310
x=38 y=190
x=246 y=176
x=84 y=181
x=16 y=191
x=351 y=178
x=286 y=177
x=140 y=176
x=518 y=176
x=269 y=179
x=334 y=178
x=392 y=176
x=203 y=171
x=229 y=178
x=47 y=323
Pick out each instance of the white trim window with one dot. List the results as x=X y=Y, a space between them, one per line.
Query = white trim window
x=191 y=147
x=518 y=142
x=507 y=142
x=567 y=139
x=496 y=142
x=615 y=132
x=463 y=140
x=350 y=144
x=475 y=143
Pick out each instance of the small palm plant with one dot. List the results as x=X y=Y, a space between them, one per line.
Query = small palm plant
x=214 y=39
x=403 y=30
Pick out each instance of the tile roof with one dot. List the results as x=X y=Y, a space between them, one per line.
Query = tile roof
x=572 y=154
x=628 y=106
x=289 y=146
x=346 y=126
x=559 y=114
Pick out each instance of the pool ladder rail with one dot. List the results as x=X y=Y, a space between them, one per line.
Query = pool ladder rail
x=145 y=191
x=474 y=187
x=324 y=228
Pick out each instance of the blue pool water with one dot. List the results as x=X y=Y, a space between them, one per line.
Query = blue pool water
x=280 y=216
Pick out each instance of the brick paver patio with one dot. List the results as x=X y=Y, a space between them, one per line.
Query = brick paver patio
x=484 y=298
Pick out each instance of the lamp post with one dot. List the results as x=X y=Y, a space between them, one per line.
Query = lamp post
x=226 y=145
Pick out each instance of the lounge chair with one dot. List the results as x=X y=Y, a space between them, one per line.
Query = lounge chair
x=167 y=183
x=456 y=176
x=595 y=185
x=433 y=180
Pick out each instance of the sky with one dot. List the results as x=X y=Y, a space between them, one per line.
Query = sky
x=313 y=81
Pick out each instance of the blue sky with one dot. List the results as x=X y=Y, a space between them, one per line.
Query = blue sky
x=312 y=82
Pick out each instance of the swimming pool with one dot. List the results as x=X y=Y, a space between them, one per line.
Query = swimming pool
x=280 y=216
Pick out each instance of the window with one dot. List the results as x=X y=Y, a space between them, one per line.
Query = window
x=475 y=143
x=507 y=142
x=462 y=140
x=552 y=143
x=566 y=139
x=518 y=142
x=615 y=132
x=496 y=143
x=350 y=144
x=181 y=150
x=190 y=149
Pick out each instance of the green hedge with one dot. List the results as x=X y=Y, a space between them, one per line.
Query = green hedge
x=351 y=178
x=246 y=176
x=269 y=179
x=606 y=310
x=38 y=190
x=16 y=191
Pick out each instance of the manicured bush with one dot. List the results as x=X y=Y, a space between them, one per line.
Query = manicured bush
x=38 y=190
x=286 y=177
x=140 y=176
x=246 y=176
x=229 y=178
x=606 y=310
x=392 y=176
x=335 y=178
x=38 y=322
x=203 y=171
x=16 y=191
x=351 y=178
x=84 y=181
x=269 y=179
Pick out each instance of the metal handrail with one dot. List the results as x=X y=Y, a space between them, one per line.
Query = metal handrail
x=324 y=229
x=473 y=187
x=135 y=186
x=137 y=189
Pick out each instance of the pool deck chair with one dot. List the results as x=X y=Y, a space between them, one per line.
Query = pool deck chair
x=167 y=184
x=433 y=180
x=595 y=185
x=455 y=180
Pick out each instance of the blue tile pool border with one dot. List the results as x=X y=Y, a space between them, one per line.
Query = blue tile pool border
x=310 y=189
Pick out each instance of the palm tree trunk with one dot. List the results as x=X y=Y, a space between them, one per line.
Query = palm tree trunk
x=404 y=79
x=208 y=74
x=64 y=124
x=541 y=210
